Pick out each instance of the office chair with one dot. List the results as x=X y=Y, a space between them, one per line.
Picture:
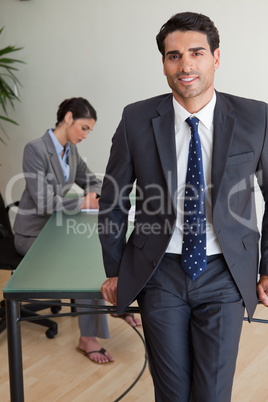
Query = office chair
x=9 y=260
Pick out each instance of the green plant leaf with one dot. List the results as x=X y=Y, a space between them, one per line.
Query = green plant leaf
x=9 y=83
x=10 y=49
x=9 y=120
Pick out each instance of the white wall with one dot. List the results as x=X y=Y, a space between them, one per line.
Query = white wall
x=105 y=50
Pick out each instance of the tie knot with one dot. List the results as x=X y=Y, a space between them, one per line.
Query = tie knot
x=193 y=123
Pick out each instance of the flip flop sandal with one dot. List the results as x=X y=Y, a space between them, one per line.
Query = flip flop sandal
x=102 y=351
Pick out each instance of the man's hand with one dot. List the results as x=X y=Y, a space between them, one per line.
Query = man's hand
x=262 y=289
x=90 y=201
x=109 y=290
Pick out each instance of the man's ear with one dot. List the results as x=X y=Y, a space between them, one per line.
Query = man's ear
x=216 y=59
x=163 y=61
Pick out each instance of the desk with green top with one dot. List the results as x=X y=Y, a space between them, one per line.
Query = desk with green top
x=65 y=262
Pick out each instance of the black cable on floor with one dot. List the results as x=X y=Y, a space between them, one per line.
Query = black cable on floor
x=99 y=310
x=140 y=374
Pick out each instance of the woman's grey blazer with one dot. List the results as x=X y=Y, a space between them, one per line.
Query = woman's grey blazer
x=45 y=185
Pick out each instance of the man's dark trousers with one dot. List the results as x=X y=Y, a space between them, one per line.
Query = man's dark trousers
x=192 y=331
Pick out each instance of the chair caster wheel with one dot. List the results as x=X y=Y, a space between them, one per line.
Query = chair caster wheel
x=55 y=309
x=50 y=333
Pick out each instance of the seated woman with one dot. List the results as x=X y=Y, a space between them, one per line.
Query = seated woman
x=51 y=165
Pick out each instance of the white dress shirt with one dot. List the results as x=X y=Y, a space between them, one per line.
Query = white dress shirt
x=182 y=138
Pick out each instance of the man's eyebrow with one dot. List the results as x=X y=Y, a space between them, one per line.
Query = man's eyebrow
x=173 y=52
x=191 y=49
x=195 y=49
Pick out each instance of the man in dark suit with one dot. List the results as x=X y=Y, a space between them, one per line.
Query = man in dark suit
x=192 y=312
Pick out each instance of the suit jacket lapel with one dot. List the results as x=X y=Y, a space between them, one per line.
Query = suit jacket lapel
x=72 y=164
x=164 y=132
x=224 y=125
x=54 y=158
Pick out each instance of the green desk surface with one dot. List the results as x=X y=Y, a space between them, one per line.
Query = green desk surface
x=65 y=258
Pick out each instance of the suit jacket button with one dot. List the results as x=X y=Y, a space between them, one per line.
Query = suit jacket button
x=154 y=264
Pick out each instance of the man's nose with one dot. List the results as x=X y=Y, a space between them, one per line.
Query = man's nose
x=186 y=64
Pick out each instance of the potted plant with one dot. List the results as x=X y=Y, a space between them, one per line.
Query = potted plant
x=9 y=83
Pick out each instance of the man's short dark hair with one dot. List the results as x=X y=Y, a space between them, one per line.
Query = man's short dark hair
x=189 y=22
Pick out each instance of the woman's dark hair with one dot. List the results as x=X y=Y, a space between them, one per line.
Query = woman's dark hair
x=80 y=108
x=189 y=22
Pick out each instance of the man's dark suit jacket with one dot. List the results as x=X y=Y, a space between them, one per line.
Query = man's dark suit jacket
x=143 y=149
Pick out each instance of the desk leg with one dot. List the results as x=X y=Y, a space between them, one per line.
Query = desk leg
x=14 y=351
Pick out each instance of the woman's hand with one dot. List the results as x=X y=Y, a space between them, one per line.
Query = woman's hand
x=90 y=201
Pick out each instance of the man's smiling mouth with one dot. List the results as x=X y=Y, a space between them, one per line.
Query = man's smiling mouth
x=187 y=79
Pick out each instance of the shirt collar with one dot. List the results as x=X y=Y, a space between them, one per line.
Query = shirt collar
x=205 y=115
x=59 y=148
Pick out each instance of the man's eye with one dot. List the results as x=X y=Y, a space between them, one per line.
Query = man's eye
x=173 y=57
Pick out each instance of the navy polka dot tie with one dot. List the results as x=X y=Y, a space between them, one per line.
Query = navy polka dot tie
x=194 y=260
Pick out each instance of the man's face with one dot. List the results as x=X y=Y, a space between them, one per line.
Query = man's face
x=190 y=67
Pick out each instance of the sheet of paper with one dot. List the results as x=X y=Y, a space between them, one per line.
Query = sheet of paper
x=131 y=213
x=89 y=211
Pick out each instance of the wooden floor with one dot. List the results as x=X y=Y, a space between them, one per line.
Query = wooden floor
x=55 y=371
